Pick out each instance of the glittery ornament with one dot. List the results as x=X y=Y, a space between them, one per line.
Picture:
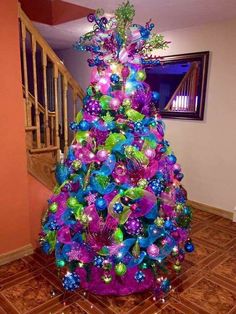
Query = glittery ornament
x=93 y=107
x=71 y=281
x=139 y=276
x=153 y=250
x=98 y=261
x=118 y=208
x=133 y=226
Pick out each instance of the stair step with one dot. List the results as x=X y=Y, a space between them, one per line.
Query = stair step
x=43 y=150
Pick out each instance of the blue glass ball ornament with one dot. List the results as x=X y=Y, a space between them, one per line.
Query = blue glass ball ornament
x=46 y=247
x=179 y=176
x=115 y=78
x=189 y=247
x=98 y=261
x=168 y=224
x=165 y=285
x=118 y=208
x=155 y=96
x=139 y=276
x=84 y=125
x=71 y=281
x=171 y=159
x=138 y=126
x=53 y=225
x=100 y=203
x=86 y=99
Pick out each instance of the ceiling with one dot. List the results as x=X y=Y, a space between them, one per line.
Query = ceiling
x=166 y=14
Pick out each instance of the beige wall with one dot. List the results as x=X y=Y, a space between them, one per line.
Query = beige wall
x=206 y=149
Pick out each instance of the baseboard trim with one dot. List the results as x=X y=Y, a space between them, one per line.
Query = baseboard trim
x=213 y=210
x=16 y=254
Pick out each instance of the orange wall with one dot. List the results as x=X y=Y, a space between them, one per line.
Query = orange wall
x=38 y=196
x=14 y=210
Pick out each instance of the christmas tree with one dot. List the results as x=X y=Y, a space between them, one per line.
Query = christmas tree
x=118 y=218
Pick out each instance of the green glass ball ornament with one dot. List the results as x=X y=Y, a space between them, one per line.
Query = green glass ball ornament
x=72 y=202
x=141 y=75
x=76 y=164
x=53 y=207
x=107 y=278
x=120 y=269
x=118 y=235
x=60 y=263
x=105 y=101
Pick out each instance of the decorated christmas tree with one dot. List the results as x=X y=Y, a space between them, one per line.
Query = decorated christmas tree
x=118 y=219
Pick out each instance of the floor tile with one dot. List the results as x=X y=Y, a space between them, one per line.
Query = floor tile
x=29 y=294
x=210 y=296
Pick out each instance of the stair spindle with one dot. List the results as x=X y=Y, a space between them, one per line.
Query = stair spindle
x=65 y=113
x=37 y=118
x=44 y=64
x=57 y=137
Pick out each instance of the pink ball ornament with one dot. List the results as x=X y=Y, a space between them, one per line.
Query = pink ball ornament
x=114 y=104
x=150 y=153
x=102 y=155
x=153 y=250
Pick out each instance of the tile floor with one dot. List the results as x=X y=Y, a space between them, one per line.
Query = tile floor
x=207 y=283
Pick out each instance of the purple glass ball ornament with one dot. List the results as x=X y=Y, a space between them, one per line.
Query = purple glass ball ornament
x=102 y=155
x=133 y=226
x=93 y=107
x=153 y=250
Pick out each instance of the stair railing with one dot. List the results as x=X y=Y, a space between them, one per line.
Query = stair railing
x=185 y=96
x=46 y=93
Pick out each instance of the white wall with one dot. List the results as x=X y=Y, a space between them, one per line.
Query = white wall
x=206 y=149
x=76 y=62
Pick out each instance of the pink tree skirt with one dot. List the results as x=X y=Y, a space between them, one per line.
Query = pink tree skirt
x=118 y=286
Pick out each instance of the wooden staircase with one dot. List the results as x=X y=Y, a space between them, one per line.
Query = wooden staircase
x=52 y=97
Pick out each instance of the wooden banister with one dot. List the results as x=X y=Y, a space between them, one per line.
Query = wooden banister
x=46 y=97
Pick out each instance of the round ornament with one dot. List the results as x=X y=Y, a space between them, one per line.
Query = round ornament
x=93 y=107
x=100 y=203
x=120 y=269
x=115 y=78
x=141 y=75
x=153 y=250
x=139 y=276
x=53 y=207
x=118 y=208
x=84 y=125
x=189 y=247
x=133 y=226
x=71 y=281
